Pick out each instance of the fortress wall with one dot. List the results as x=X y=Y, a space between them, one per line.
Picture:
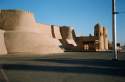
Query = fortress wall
x=24 y=35
x=67 y=36
x=16 y=20
x=56 y=32
x=105 y=34
x=2 y=43
x=45 y=30
x=51 y=32
x=31 y=42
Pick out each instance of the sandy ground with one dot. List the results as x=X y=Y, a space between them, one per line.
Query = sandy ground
x=66 y=67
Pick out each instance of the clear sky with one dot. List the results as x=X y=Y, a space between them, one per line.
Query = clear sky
x=81 y=14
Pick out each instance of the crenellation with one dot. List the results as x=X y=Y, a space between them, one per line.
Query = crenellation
x=17 y=11
x=14 y=19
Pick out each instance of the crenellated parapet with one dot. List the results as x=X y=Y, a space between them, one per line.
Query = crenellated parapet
x=17 y=11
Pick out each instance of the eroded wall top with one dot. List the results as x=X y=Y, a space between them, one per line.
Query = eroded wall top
x=16 y=20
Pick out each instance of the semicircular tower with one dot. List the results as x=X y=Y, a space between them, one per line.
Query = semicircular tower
x=68 y=36
x=105 y=34
x=98 y=32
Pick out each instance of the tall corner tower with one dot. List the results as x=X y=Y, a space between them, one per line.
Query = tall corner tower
x=98 y=32
x=105 y=35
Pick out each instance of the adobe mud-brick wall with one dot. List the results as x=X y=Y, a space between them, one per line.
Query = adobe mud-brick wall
x=2 y=43
x=24 y=35
x=30 y=42
x=12 y=20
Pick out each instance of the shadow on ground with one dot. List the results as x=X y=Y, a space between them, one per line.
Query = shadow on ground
x=87 y=66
